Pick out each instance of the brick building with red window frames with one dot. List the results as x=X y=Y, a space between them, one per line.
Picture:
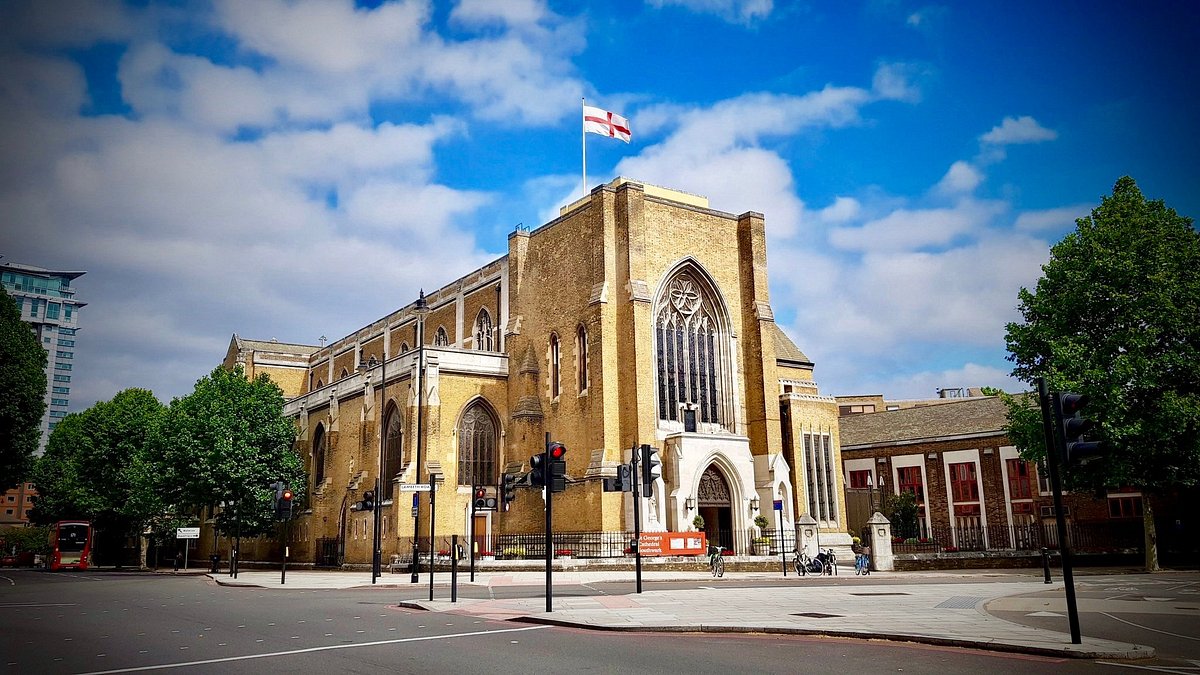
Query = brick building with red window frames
x=973 y=490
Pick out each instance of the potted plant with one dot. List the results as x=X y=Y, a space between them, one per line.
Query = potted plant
x=487 y=555
x=762 y=543
x=514 y=553
x=698 y=522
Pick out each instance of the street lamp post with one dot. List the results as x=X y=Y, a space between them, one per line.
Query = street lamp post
x=422 y=309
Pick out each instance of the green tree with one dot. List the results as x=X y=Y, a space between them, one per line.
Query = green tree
x=96 y=467
x=1114 y=317
x=228 y=441
x=22 y=393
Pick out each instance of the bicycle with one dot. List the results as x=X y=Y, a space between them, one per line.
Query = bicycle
x=716 y=561
x=862 y=563
x=806 y=565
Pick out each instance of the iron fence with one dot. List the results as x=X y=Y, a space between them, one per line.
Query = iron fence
x=1084 y=537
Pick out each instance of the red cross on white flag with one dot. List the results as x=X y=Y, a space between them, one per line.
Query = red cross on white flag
x=605 y=123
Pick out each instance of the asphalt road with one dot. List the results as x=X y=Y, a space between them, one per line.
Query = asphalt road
x=96 y=622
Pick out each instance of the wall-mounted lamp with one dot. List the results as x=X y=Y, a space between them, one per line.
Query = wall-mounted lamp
x=689 y=503
x=754 y=503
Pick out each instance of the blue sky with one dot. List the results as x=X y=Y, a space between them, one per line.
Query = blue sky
x=298 y=169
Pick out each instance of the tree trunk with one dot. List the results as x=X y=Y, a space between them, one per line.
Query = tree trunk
x=143 y=548
x=1151 y=541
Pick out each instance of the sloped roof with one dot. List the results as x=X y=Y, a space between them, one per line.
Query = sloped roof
x=785 y=349
x=273 y=346
x=967 y=417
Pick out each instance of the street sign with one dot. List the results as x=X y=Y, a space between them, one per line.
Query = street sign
x=672 y=543
x=187 y=533
x=414 y=487
x=778 y=504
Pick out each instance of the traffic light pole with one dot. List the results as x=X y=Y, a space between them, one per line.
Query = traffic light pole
x=637 y=519
x=549 y=525
x=472 y=538
x=1049 y=425
x=432 y=525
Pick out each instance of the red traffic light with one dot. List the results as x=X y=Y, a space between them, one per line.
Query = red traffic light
x=557 y=450
x=287 y=495
x=480 y=493
x=1072 y=403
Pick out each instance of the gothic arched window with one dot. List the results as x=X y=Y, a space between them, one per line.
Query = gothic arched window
x=392 y=454
x=477 y=442
x=555 y=363
x=440 y=339
x=318 y=455
x=581 y=356
x=690 y=336
x=483 y=330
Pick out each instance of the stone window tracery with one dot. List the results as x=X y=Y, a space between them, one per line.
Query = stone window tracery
x=483 y=331
x=440 y=338
x=689 y=342
x=477 y=444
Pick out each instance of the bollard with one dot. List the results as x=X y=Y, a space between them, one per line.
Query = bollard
x=1046 y=563
x=215 y=560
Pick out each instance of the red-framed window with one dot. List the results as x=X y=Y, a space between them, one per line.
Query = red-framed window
x=1018 y=479
x=909 y=480
x=1125 y=507
x=860 y=479
x=963 y=485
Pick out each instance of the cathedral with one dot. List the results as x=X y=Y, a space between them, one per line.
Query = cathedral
x=638 y=316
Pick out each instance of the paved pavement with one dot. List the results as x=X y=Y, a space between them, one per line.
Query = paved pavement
x=922 y=611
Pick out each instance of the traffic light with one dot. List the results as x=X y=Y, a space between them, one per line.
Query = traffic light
x=482 y=501
x=622 y=483
x=558 y=467
x=651 y=467
x=282 y=500
x=508 y=489
x=537 y=470
x=1072 y=427
x=368 y=501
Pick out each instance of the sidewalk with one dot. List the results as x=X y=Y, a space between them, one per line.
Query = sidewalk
x=953 y=614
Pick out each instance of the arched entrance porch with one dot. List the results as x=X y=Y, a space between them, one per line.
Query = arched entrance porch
x=714 y=504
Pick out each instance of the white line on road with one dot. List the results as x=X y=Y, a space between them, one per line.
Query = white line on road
x=10 y=581
x=309 y=650
x=1138 y=625
x=37 y=604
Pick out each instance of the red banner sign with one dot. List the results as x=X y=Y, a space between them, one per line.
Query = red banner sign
x=672 y=543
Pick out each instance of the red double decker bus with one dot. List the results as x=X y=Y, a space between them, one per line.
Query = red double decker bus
x=70 y=545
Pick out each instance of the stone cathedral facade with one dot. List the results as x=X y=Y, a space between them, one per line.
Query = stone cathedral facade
x=639 y=315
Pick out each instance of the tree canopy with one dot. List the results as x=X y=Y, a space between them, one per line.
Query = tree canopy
x=22 y=393
x=228 y=441
x=1115 y=317
x=95 y=463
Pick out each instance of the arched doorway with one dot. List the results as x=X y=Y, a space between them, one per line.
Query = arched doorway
x=715 y=505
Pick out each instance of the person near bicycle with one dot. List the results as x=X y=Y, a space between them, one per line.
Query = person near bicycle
x=862 y=561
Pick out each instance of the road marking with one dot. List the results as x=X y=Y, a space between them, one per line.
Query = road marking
x=1181 y=670
x=1155 y=630
x=7 y=605
x=309 y=650
x=10 y=581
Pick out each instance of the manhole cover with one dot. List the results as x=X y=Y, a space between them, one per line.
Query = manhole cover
x=818 y=615
x=960 y=602
x=872 y=594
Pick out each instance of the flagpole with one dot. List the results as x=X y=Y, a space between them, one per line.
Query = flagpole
x=583 y=139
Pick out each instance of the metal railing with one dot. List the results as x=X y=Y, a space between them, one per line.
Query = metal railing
x=1084 y=537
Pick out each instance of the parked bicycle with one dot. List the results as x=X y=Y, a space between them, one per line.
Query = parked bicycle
x=716 y=560
x=807 y=565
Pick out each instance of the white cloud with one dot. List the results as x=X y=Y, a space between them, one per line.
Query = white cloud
x=1051 y=219
x=1014 y=130
x=841 y=210
x=733 y=11
x=893 y=82
x=509 y=12
x=908 y=229
x=962 y=177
